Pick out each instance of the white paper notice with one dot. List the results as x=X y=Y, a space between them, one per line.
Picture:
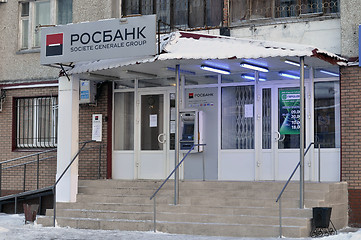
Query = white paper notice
x=172 y=126
x=248 y=110
x=97 y=127
x=153 y=120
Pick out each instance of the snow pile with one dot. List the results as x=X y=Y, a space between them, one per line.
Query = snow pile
x=13 y=227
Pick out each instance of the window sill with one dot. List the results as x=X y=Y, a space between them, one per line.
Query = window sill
x=26 y=51
x=35 y=150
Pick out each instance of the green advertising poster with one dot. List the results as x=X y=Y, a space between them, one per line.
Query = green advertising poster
x=289 y=100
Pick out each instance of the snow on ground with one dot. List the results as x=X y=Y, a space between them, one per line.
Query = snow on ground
x=12 y=227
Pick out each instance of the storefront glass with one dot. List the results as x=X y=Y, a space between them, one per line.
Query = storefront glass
x=238 y=117
x=124 y=121
x=327 y=130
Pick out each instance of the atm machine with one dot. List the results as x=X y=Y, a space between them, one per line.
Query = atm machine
x=192 y=130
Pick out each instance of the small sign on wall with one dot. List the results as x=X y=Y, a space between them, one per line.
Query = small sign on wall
x=97 y=127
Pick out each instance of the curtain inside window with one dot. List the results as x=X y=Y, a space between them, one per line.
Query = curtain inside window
x=42 y=17
x=65 y=11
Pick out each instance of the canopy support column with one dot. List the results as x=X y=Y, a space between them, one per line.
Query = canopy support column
x=177 y=104
x=302 y=132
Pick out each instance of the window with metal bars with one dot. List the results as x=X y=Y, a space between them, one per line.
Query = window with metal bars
x=36 y=122
x=243 y=10
x=178 y=13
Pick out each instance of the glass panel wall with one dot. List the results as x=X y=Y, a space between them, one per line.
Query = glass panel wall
x=266 y=118
x=327 y=116
x=238 y=117
x=124 y=121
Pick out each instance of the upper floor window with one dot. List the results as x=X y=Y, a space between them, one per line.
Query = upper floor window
x=34 y=14
x=257 y=9
x=179 y=14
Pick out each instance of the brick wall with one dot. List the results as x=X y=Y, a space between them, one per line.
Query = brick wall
x=89 y=159
x=351 y=139
x=12 y=179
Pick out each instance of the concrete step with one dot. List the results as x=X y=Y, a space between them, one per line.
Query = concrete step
x=224 y=185
x=181 y=208
x=251 y=193
x=197 y=200
x=193 y=228
x=181 y=217
x=239 y=209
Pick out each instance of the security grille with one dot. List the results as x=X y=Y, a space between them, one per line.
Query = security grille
x=37 y=121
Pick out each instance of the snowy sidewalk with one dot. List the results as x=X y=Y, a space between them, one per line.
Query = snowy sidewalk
x=12 y=227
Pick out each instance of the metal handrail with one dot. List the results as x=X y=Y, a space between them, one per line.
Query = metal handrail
x=27 y=156
x=38 y=160
x=24 y=164
x=165 y=181
x=285 y=186
x=293 y=173
x=61 y=176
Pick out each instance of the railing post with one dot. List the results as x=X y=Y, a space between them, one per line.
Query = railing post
x=319 y=162
x=280 y=215
x=99 y=163
x=54 y=205
x=37 y=171
x=154 y=214
x=24 y=180
x=1 y=167
x=16 y=205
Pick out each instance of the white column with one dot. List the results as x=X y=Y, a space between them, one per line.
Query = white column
x=68 y=138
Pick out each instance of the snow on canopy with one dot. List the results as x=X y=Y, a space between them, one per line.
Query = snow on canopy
x=186 y=45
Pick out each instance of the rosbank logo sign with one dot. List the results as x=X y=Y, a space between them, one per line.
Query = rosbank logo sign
x=106 y=39
x=54 y=44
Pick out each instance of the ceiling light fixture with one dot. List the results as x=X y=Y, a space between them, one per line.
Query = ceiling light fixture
x=181 y=71
x=254 y=67
x=289 y=75
x=297 y=64
x=214 y=69
x=248 y=77
x=330 y=73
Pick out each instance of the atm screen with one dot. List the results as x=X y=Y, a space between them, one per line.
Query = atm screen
x=188 y=129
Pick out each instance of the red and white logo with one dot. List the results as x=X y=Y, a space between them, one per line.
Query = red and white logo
x=54 y=44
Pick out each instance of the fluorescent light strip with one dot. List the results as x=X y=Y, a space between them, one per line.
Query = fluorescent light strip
x=330 y=73
x=214 y=69
x=245 y=76
x=181 y=70
x=294 y=63
x=254 y=67
x=288 y=75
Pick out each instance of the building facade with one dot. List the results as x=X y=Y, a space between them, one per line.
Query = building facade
x=255 y=138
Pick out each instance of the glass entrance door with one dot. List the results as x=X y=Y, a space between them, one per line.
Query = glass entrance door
x=151 y=163
x=280 y=114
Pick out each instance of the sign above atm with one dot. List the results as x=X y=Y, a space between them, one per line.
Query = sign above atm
x=104 y=39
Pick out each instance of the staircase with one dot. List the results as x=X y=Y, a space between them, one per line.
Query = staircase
x=238 y=209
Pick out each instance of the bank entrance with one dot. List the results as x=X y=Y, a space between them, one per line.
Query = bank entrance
x=244 y=124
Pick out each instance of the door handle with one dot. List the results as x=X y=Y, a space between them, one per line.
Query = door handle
x=161 y=138
x=279 y=137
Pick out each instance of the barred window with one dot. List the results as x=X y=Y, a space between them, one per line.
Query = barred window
x=242 y=10
x=178 y=13
x=36 y=123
